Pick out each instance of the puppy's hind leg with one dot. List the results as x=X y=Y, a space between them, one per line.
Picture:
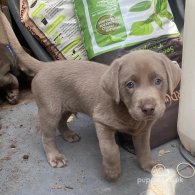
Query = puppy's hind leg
x=68 y=134
x=48 y=125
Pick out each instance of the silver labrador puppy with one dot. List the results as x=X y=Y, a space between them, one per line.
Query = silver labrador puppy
x=128 y=96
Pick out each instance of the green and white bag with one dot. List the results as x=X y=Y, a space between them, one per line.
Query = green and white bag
x=56 y=21
x=114 y=24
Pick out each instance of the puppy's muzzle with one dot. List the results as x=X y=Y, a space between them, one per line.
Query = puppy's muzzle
x=148 y=109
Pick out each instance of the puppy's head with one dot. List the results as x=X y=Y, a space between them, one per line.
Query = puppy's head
x=141 y=80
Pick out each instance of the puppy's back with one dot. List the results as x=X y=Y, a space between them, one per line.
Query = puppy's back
x=73 y=84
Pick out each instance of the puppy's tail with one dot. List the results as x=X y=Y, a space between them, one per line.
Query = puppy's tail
x=27 y=63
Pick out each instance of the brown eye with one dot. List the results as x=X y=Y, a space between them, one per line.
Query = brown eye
x=157 y=81
x=130 y=84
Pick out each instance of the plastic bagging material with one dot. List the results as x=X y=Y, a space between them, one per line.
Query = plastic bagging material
x=111 y=25
x=54 y=24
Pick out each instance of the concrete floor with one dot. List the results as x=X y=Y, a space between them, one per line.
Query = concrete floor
x=19 y=176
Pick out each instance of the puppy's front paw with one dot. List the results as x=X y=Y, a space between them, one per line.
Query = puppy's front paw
x=57 y=160
x=112 y=174
x=149 y=165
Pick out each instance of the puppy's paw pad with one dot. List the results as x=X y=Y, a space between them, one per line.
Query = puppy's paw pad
x=111 y=174
x=57 y=161
x=71 y=136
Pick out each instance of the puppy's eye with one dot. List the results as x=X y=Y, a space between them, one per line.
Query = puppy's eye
x=157 y=81
x=130 y=84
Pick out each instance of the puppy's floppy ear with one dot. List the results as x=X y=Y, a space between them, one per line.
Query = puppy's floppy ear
x=173 y=73
x=109 y=80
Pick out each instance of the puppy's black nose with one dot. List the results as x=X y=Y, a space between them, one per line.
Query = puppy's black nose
x=148 y=109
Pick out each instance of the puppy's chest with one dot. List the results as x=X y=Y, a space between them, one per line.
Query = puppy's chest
x=130 y=126
x=120 y=120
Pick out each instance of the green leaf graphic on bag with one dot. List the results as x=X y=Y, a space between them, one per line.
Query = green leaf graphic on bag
x=161 y=6
x=141 y=28
x=142 y=6
x=166 y=14
x=161 y=9
x=157 y=20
